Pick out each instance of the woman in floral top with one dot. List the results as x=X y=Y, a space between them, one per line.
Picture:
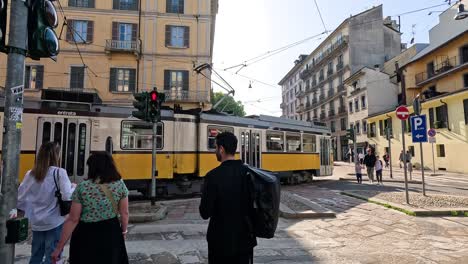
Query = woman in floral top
x=97 y=236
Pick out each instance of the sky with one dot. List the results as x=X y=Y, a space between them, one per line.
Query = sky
x=249 y=28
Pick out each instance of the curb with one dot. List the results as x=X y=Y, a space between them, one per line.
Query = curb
x=149 y=215
x=289 y=213
x=411 y=211
x=386 y=180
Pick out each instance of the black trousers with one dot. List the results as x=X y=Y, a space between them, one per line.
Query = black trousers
x=245 y=258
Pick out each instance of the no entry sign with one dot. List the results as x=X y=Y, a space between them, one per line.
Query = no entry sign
x=402 y=112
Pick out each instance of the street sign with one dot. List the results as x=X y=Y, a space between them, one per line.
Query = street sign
x=431 y=132
x=432 y=140
x=402 y=112
x=418 y=128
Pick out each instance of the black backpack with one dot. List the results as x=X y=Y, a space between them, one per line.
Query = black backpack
x=266 y=194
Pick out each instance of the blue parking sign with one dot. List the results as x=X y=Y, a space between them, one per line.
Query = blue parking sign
x=419 y=128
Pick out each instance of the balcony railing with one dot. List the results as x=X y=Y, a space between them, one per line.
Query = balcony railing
x=339 y=66
x=335 y=46
x=331 y=93
x=306 y=74
x=122 y=45
x=341 y=110
x=322 y=97
x=300 y=108
x=445 y=66
x=300 y=94
x=314 y=101
x=331 y=113
x=314 y=83
x=187 y=96
x=321 y=78
x=308 y=106
x=340 y=88
x=322 y=115
x=330 y=72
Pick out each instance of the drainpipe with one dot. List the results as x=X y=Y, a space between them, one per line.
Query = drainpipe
x=139 y=49
x=448 y=123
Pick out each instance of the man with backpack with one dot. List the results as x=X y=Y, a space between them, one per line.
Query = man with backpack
x=227 y=200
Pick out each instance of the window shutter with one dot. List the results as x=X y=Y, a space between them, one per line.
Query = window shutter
x=27 y=76
x=465 y=108
x=39 y=77
x=431 y=117
x=115 y=30
x=89 y=37
x=91 y=3
x=116 y=4
x=134 y=32
x=71 y=2
x=69 y=30
x=185 y=80
x=132 y=80
x=167 y=79
x=113 y=79
x=186 y=37
x=168 y=35
x=181 y=6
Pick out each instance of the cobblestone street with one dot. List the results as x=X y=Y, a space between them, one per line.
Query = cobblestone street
x=360 y=233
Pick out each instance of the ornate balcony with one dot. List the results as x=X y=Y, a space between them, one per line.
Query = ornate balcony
x=122 y=46
x=446 y=66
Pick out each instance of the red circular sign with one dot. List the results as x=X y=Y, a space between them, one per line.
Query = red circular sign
x=402 y=112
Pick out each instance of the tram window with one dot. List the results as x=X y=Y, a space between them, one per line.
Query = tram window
x=81 y=149
x=46 y=132
x=213 y=131
x=58 y=133
x=139 y=135
x=293 y=142
x=71 y=148
x=309 y=143
x=274 y=141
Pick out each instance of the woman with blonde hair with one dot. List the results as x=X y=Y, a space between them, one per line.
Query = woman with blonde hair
x=97 y=235
x=37 y=199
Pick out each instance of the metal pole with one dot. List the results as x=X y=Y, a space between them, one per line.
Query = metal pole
x=153 y=166
x=390 y=151
x=403 y=129
x=12 y=122
x=422 y=169
x=433 y=158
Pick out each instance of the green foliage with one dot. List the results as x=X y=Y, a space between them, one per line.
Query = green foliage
x=229 y=104
x=454 y=213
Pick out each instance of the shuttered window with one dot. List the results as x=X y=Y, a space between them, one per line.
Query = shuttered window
x=124 y=31
x=441 y=116
x=175 y=6
x=81 y=3
x=33 y=77
x=125 y=5
x=122 y=80
x=465 y=109
x=80 y=31
x=431 y=117
x=77 y=77
x=176 y=80
x=177 y=36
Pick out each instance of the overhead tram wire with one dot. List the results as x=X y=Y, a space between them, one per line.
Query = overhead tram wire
x=321 y=18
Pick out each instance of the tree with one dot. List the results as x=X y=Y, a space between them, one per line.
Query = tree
x=229 y=105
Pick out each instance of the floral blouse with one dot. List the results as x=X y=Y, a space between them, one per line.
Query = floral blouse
x=95 y=204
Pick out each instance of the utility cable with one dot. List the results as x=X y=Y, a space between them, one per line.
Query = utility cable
x=321 y=18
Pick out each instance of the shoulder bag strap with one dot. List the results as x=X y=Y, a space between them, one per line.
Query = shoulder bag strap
x=55 y=180
x=109 y=196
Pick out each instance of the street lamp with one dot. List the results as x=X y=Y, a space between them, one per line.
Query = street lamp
x=462 y=14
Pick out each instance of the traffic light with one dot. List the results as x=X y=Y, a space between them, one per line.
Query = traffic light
x=141 y=104
x=350 y=134
x=42 y=40
x=155 y=101
x=3 y=24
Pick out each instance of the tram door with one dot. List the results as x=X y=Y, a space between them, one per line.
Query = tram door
x=326 y=161
x=74 y=136
x=251 y=148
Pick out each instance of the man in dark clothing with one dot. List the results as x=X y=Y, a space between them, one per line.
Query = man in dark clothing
x=227 y=201
x=369 y=161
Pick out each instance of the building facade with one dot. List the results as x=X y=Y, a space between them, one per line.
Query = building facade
x=439 y=75
x=112 y=49
x=362 y=40
x=369 y=91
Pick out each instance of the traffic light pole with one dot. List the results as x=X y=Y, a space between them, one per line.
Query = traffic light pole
x=389 y=154
x=12 y=122
x=153 y=165
x=403 y=129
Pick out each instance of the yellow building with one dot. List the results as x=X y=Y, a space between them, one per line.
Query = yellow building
x=439 y=75
x=112 y=49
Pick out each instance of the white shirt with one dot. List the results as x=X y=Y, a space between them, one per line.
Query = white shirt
x=38 y=201
x=378 y=165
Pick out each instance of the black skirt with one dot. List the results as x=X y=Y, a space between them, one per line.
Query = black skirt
x=98 y=243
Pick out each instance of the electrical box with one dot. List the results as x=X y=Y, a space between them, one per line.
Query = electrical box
x=17 y=230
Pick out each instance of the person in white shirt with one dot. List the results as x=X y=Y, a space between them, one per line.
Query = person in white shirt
x=36 y=198
x=378 y=170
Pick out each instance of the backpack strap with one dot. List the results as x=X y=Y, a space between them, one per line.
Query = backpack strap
x=56 y=179
x=109 y=196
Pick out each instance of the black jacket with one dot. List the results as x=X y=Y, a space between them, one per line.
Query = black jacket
x=226 y=200
x=369 y=160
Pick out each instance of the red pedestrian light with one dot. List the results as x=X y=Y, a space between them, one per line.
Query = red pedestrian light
x=154 y=96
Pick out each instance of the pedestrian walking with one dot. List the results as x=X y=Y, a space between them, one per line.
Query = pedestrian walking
x=402 y=158
x=361 y=157
x=386 y=158
x=378 y=170
x=228 y=203
x=358 y=170
x=369 y=161
x=96 y=234
x=37 y=200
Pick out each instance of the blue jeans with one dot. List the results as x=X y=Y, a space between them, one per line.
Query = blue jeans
x=43 y=244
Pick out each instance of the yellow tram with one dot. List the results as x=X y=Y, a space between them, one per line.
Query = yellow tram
x=185 y=145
